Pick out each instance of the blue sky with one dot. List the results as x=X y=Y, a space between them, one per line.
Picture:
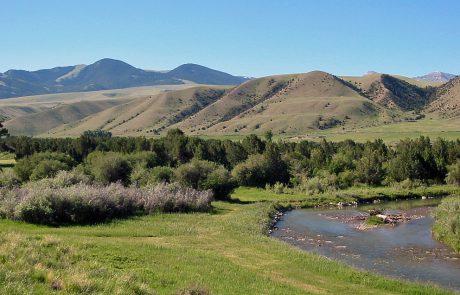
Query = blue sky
x=253 y=38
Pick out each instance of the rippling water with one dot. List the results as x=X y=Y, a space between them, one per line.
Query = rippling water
x=405 y=251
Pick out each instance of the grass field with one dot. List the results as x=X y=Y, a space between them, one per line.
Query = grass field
x=358 y=194
x=224 y=252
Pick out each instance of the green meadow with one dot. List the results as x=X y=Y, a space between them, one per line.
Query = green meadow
x=225 y=251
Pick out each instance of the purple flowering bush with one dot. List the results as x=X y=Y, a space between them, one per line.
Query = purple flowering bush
x=88 y=204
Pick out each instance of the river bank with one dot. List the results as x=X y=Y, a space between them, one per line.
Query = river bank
x=406 y=250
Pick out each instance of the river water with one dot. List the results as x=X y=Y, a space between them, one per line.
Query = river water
x=406 y=251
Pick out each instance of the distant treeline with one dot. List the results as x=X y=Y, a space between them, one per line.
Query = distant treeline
x=257 y=161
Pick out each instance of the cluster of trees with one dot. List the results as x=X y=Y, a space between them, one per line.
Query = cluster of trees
x=220 y=165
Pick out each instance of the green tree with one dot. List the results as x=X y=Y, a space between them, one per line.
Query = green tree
x=369 y=168
x=268 y=135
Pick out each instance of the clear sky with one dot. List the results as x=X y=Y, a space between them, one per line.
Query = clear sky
x=242 y=37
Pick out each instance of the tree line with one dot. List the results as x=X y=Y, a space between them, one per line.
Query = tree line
x=252 y=161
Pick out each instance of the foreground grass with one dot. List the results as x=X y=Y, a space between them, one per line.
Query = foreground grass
x=353 y=194
x=225 y=252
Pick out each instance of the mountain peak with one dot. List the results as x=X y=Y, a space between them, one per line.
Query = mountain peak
x=436 y=76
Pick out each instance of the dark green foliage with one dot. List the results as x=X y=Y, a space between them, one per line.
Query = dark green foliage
x=41 y=165
x=175 y=144
x=369 y=168
x=258 y=170
x=201 y=174
x=47 y=168
x=373 y=163
x=253 y=144
x=162 y=174
x=144 y=159
x=107 y=167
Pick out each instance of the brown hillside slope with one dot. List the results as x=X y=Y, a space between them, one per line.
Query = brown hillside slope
x=447 y=102
x=43 y=121
x=291 y=103
x=394 y=92
x=146 y=115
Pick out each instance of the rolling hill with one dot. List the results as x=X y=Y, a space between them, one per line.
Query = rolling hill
x=105 y=74
x=295 y=104
x=287 y=104
x=394 y=92
x=447 y=102
x=146 y=115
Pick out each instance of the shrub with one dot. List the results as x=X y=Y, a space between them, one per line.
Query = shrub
x=251 y=172
x=453 y=175
x=161 y=174
x=108 y=167
x=145 y=159
x=8 y=178
x=277 y=188
x=42 y=165
x=62 y=179
x=47 y=168
x=447 y=222
x=321 y=183
x=86 y=204
x=408 y=184
x=201 y=174
x=258 y=170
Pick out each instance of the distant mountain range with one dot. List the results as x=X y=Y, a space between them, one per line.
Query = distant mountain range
x=436 y=77
x=103 y=75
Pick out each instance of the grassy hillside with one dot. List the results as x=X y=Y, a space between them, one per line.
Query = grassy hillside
x=41 y=122
x=166 y=253
x=394 y=92
x=288 y=104
x=312 y=105
x=146 y=115
x=447 y=105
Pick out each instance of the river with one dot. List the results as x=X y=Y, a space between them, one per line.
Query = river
x=406 y=251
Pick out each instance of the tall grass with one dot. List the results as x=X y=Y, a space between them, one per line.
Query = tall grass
x=87 y=204
x=447 y=222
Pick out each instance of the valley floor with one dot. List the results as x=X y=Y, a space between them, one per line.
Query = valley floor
x=224 y=252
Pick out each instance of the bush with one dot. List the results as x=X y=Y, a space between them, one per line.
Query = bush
x=142 y=177
x=145 y=159
x=278 y=188
x=453 y=175
x=47 y=168
x=408 y=184
x=258 y=170
x=87 y=204
x=447 y=222
x=201 y=174
x=321 y=183
x=108 y=167
x=8 y=178
x=62 y=179
x=251 y=172
x=42 y=165
x=161 y=174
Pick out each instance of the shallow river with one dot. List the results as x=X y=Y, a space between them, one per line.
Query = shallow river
x=405 y=251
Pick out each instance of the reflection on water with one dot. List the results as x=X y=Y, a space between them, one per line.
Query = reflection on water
x=405 y=251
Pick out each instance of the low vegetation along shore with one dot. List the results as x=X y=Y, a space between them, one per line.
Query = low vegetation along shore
x=181 y=215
